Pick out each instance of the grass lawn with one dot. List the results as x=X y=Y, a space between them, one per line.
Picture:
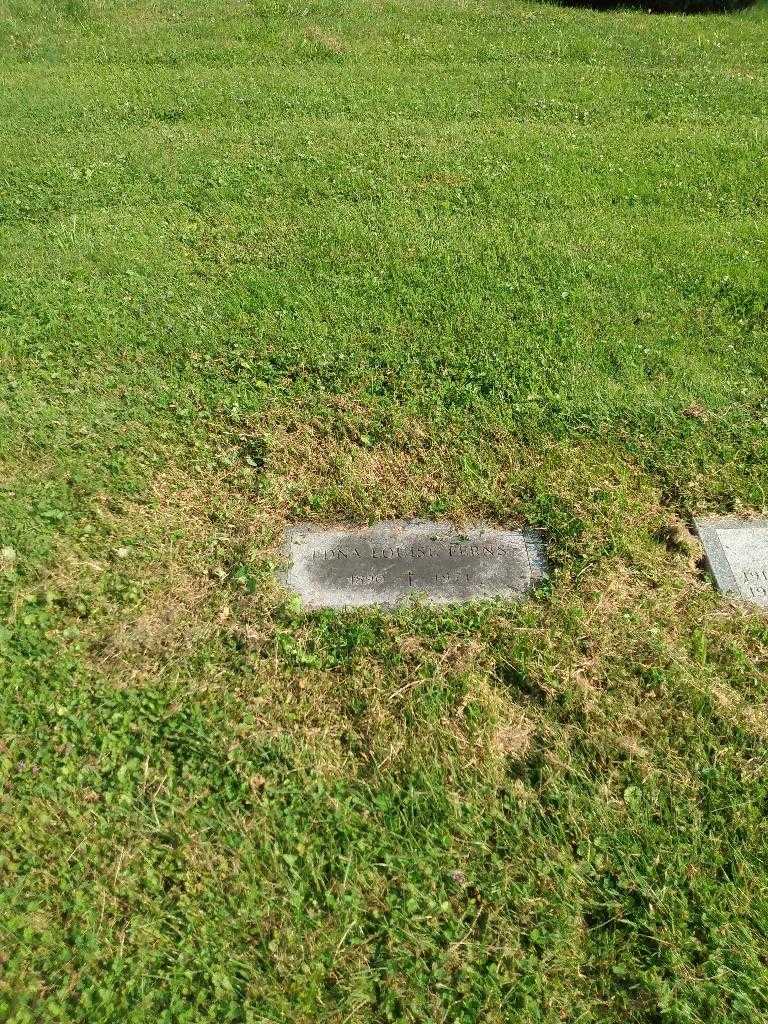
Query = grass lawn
x=335 y=262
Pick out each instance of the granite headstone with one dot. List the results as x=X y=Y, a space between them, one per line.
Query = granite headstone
x=737 y=554
x=392 y=561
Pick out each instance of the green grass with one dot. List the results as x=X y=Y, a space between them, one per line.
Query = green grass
x=264 y=262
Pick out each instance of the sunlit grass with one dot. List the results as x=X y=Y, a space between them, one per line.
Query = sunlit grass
x=266 y=263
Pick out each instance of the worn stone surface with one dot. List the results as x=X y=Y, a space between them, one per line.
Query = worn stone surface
x=737 y=553
x=392 y=561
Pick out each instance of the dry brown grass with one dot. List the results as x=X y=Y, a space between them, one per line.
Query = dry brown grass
x=168 y=550
x=324 y=41
x=325 y=464
x=177 y=546
x=513 y=737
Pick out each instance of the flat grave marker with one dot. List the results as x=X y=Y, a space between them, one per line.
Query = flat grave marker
x=390 y=562
x=737 y=553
